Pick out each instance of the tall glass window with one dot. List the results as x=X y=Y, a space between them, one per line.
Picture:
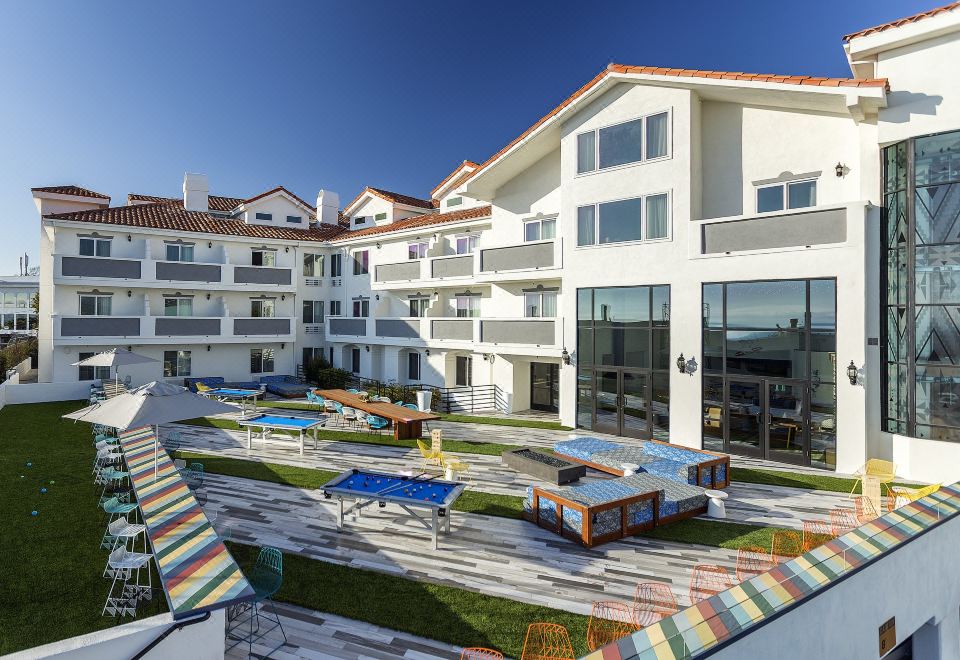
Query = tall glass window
x=921 y=334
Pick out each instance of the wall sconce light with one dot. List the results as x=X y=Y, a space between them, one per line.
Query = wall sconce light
x=378 y=245
x=129 y=238
x=283 y=297
x=368 y=349
x=282 y=346
x=286 y=249
x=682 y=364
x=565 y=355
x=209 y=244
x=852 y=372
x=208 y=295
x=208 y=348
x=129 y=293
x=839 y=169
x=378 y=296
x=427 y=352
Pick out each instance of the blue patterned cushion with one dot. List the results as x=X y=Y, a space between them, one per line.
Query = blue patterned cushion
x=583 y=448
x=603 y=522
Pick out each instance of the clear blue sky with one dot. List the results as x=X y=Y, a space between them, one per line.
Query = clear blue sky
x=125 y=96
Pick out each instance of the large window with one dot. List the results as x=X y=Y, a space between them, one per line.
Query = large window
x=632 y=141
x=261 y=360
x=92 y=373
x=417 y=250
x=335 y=308
x=177 y=306
x=361 y=308
x=361 y=262
x=263 y=257
x=640 y=218
x=94 y=304
x=467 y=306
x=176 y=363
x=312 y=311
x=540 y=304
x=336 y=265
x=466 y=244
x=540 y=230
x=179 y=251
x=419 y=306
x=91 y=246
x=787 y=195
x=313 y=265
x=263 y=307
x=921 y=281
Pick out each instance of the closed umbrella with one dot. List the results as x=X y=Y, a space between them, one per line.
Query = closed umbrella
x=114 y=358
x=151 y=404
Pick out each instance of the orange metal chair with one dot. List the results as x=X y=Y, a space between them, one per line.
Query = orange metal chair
x=609 y=621
x=752 y=561
x=815 y=534
x=865 y=510
x=480 y=653
x=708 y=580
x=843 y=521
x=786 y=545
x=547 y=641
x=653 y=601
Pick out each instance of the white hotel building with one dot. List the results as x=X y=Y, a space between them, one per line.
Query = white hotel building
x=771 y=229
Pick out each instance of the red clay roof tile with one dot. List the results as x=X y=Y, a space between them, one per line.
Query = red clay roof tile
x=396 y=198
x=459 y=167
x=214 y=202
x=77 y=191
x=902 y=21
x=427 y=220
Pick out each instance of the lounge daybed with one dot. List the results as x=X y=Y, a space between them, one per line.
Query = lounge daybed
x=217 y=381
x=286 y=386
x=692 y=466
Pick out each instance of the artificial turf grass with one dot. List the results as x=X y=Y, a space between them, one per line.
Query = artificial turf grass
x=451 y=445
x=729 y=535
x=825 y=482
x=471 y=501
x=53 y=587
x=443 y=613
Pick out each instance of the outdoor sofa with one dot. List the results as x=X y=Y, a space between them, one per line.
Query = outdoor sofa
x=286 y=386
x=216 y=382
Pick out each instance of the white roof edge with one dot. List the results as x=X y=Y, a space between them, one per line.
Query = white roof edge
x=423 y=229
x=922 y=29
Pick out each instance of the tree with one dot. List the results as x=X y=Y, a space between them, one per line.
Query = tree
x=35 y=303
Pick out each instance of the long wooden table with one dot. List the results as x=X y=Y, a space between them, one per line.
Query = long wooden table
x=407 y=423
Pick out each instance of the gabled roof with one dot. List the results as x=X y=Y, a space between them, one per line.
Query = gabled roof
x=276 y=190
x=395 y=198
x=172 y=216
x=76 y=191
x=417 y=221
x=902 y=21
x=459 y=168
x=214 y=202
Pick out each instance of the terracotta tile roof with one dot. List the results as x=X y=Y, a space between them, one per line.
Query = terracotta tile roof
x=396 y=198
x=214 y=202
x=902 y=21
x=466 y=163
x=426 y=220
x=686 y=73
x=279 y=189
x=172 y=216
x=71 y=190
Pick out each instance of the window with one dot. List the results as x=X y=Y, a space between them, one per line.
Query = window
x=540 y=230
x=94 y=247
x=313 y=265
x=416 y=250
x=177 y=306
x=176 y=363
x=313 y=311
x=413 y=366
x=455 y=201
x=466 y=244
x=623 y=220
x=179 y=252
x=540 y=304
x=262 y=308
x=92 y=373
x=464 y=375
x=361 y=308
x=790 y=195
x=264 y=258
x=95 y=304
x=264 y=216
x=295 y=219
x=355 y=360
x=419 y=306
x=361 y=261
x=336 y=265
x=380 y=217
x=360 y=220
x=261 y=360
x=632 y=141
x=468 y=306
x=334 y=308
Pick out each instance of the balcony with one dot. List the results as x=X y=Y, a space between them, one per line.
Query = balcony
x=101 y=267
x=170 y=329
x=262 y=275
x=349 y=327
x=460 y=265
x=181 y=271
x=540 y=332
x=520 y=262
x=456 y=329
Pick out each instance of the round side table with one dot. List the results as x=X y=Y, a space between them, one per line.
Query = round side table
x=629 y=469
x=715 y=506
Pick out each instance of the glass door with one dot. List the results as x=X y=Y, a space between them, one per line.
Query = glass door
x=745 y=403
x=786 y=412
x=544 y=386
x=607 y=402
x=635 y=404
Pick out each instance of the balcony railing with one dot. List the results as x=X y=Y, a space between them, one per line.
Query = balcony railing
x=174 y=328
x=519 y=257
x=541 y=332
x=153 y=272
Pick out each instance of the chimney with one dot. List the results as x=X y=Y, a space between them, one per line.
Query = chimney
x=195 y=192
x=328 y=207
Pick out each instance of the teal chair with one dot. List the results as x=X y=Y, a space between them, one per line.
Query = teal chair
x=265 y=578
x=377 y=423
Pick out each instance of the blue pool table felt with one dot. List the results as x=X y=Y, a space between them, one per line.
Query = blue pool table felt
x=279 y=421
x=414 y=489
x=230 y=392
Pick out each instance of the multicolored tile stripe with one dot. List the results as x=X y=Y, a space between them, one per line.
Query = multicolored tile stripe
x=699 y=628
x=197 y=571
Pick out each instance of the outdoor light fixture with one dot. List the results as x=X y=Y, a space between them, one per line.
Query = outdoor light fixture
x=368 y=349
x=427 y=352
x=378 y=245
x=282 y=346
x=283 y=297
x=129 y=238
x=378 y=296
x=852 y=372
x=286 y=249
x=208 y=348
x=209 y=244
x=839 y=169
x=682 y=364
x=208 y=295
x=129 y=293
x=565 y=355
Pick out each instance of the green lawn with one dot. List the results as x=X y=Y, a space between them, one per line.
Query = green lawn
x=443 y=613
x=795 y=479
x=53 y=587
x=719 y=534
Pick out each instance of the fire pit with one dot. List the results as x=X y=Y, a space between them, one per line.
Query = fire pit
x=543 y=466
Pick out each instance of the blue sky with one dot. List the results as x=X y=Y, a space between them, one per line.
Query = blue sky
x=125 y=96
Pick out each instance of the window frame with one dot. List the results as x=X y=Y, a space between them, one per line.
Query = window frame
x=178 y=358
x=355 y=360
x=272 y=306
x=313 y=258
x=335 y=304
x=336 y=264
x=539 y=222
x=469 y=308
x=414 y=365
x=364 y=308
x=380 y=217
x=180 y=247
x=314 y=305
x=96 y=373
x=263 y=361
x=643 y=143
x=361 y=266
x=295 y=219
x=262 y=252
x=472 y=241
x=467 y=371
x=540 y=306
x=97 y=241
x=454 y=201
x=416 y=248
x=421 y=302
x=643 y=221
x=785 y=194
x=98 y=297
x=179 y=300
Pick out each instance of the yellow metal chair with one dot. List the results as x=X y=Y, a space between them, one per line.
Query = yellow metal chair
x=203 y=388
x=455 y=465
x=431 y=459
x=903 y=495
x=885 y=471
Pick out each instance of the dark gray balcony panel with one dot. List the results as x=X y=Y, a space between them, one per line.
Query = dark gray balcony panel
x=453 y=329
x=99 y=326
x=100 y=267
x=357 y=327
x=261 y=275
x=517 y=332
x=398 y=328
x=407 y=270
x=175 y=326
x=452 y=267
x=261 y=326
x=187 y=272
x=537 y=255
x=781 y=231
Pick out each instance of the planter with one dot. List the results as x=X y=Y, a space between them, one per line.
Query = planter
x=543 y=466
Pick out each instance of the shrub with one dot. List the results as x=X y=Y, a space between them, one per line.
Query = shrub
x=312 y=369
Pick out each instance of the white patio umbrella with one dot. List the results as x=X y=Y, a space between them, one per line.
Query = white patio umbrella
x=151 y=404
x=114 y=358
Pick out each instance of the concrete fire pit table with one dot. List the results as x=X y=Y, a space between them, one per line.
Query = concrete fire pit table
x=543 y=466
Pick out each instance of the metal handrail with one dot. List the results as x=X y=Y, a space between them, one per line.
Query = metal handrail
x=166 y=633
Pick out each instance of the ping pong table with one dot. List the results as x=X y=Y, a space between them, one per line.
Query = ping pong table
x=295 y=427
x=233 y=394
